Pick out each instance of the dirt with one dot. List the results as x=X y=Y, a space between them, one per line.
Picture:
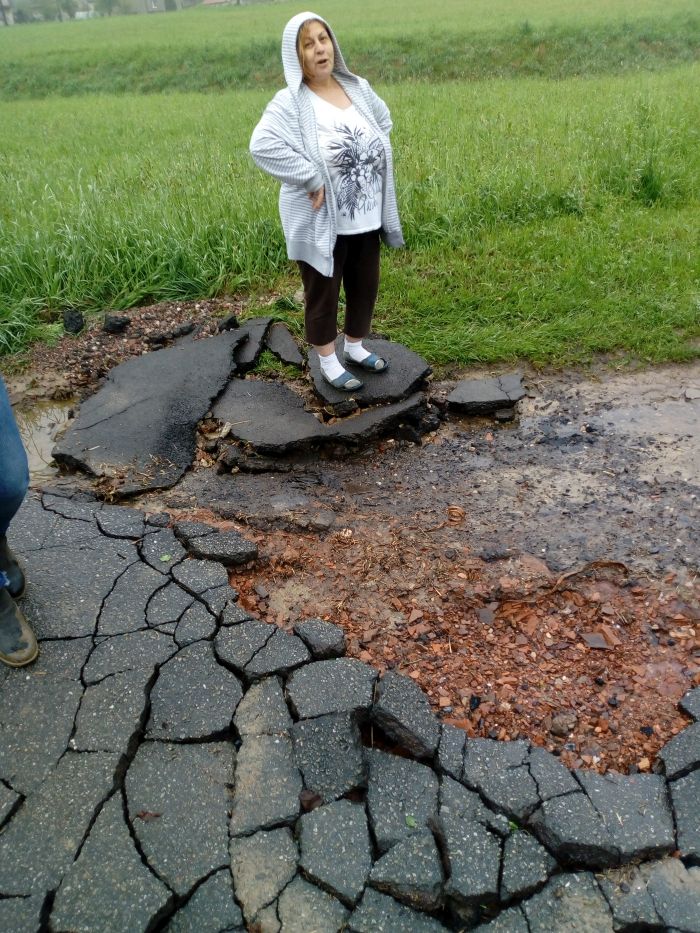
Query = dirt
x=538 y=579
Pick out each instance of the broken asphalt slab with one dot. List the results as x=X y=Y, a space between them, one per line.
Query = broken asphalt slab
x=148 y=785
x=139 y=429
x=273 y=420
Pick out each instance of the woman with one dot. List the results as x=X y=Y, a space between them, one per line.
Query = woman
x=326 y=138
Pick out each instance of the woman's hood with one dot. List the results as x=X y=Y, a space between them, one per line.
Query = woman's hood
x=290 y=60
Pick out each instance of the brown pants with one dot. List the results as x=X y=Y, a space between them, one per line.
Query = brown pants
x=356 y=265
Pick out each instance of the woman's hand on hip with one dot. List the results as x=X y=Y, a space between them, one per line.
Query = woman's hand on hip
x=317 y=198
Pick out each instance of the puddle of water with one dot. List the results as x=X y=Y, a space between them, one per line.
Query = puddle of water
x=40 y=427
x=674 y=426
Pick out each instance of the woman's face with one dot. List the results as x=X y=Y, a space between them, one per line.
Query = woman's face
x=316 y=51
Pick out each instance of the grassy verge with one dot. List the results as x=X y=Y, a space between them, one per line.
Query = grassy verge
x=238 y=47
x=544 y=220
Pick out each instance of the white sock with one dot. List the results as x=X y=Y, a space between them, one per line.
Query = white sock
x=355 y=350
x=331 y=366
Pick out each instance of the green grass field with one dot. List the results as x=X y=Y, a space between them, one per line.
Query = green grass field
x=547 y=218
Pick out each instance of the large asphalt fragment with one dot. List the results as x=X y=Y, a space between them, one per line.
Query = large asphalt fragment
x=407 y=372
x=402 y=710
x=177 y=797
x=272 y=419
x=139 y=428
x=485 y=396
x=109 y=887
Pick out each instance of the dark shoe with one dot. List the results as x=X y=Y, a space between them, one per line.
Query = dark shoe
x=17 y=641
x=372 y=363
x=9 y=565
x=346 y=382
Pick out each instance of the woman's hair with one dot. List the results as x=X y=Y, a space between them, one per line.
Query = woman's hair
x=301 y=35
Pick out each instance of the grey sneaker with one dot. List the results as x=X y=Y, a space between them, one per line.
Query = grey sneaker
x=18 y=644
x=10 y=566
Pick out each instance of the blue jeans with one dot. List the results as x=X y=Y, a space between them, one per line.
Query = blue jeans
x=14 y=470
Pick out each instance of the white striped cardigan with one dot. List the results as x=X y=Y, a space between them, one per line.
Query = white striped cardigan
x=285 y=144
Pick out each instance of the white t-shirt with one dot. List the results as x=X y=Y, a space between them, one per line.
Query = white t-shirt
x=356 y=161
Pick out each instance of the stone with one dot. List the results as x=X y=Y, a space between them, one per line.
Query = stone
x=73 y=321
x=162 y=551
x=108 y=887
x=112 y=712
x=551 y=778
x=486 y=396
x=37 y=721
x=237 y=645
x=227 y=547
x=635 y=810
x=499 y=772
x=21 y=913
x=251 y=340
x=571 y=828
x=411 y=872
x=690 y=703
x=675 y=892
x=336 y=851
x=379 y=913
x=625 y=890
x=304 y=908
x=685 y=795
x=141 y=425
x=526 y=866
x=323 y=639
x=38 y=846
x=187 y=787
x=328 y=752
x=210 y=909
x=262 y=866
x=118 y=521
x=262 y=711
x=569 y=902
x=268 y=785
x=196 y=623
x=124 y=609
x=682 y=754
x=450 y=757
x=194 y=697
x=283 y=345
x=281 y=654
x=402 y=711
x=335 y=686
x=64 y=605
x=115 y=323
x=401 y=797
x=511 y=920
x=136 y=651
x=168 y=604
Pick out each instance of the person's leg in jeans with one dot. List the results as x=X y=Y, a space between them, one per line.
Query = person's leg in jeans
x=17 y=642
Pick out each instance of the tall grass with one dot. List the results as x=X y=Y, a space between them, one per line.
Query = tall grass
x=546 y=220
x=238 y=47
